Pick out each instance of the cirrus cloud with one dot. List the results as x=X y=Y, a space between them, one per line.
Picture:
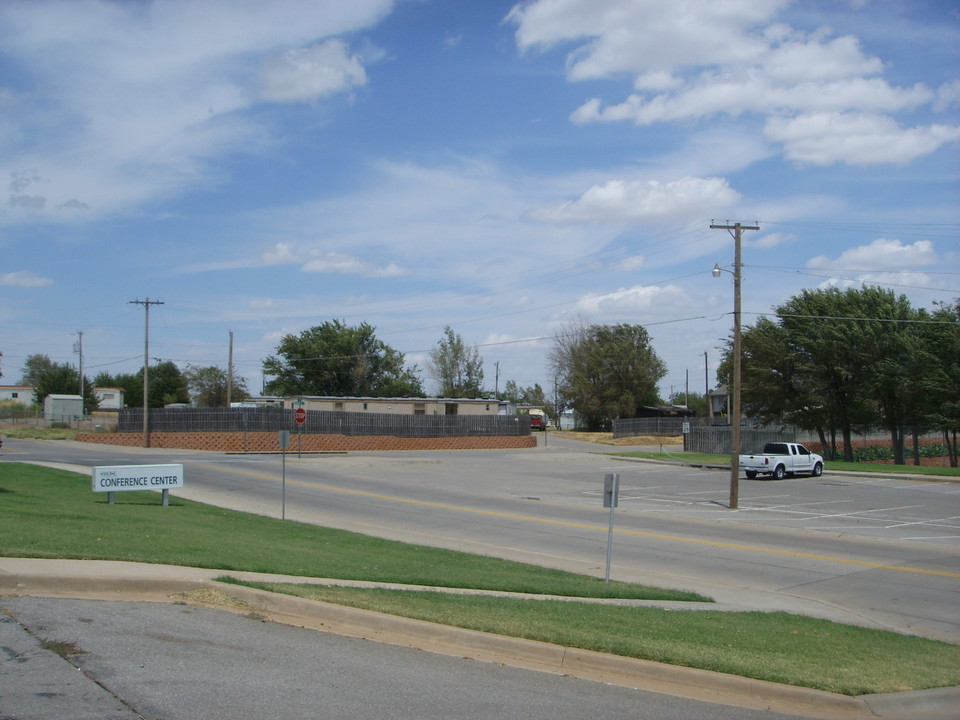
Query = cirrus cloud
x=24 y=279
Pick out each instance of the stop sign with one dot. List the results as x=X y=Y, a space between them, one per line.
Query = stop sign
x=300 y=415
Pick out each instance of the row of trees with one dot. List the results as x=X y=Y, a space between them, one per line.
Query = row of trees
x=602 y=372
x=839 y=362
x=831 y=361
x=168 y=384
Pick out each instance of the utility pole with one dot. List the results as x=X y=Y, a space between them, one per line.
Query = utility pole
x=230 y=371
x=737 y=231
x=146 y=365
x=78 y=348
x=706 y=385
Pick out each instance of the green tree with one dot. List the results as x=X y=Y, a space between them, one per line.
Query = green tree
x=33 y=369
x=208 y=386
x=519 y=395
x=606 y=371
x=456 y=368
x=167 y=385
x=62 y=379
x=842 y=361
x=694 y=401
x=944 y=340
x=336 y=360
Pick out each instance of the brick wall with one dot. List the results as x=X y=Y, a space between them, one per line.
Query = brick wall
x=269 y=442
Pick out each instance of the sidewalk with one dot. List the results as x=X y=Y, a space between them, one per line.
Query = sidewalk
x=106 y=580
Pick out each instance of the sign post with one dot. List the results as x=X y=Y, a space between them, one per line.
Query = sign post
x=284 y=440
x=611 y=498
x=300 y=415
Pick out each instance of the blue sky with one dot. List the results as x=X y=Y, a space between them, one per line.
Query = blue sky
x=503 y=168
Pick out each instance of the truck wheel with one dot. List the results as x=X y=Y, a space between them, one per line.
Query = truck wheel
x=780 y=472
x=751 y=474
x=818 y=470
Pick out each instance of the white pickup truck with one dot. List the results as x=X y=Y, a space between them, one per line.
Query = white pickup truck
x=782 y=459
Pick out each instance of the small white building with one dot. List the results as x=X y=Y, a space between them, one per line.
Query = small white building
x=22 y=394
x=62 y=407
x=397 y=406
x=109 y=398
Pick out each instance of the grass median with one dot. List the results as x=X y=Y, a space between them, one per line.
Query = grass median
x=54 y=514
x=49 y=513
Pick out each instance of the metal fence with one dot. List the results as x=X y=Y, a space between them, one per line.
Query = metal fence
x=319 y=422
x=708 y=435
x=716 y=439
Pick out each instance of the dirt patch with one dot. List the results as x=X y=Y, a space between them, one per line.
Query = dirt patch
x=210 y=597
x=606 y=438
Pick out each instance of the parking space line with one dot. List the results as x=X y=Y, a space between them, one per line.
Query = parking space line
x=938 y=522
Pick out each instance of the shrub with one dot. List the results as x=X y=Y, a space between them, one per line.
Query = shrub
x=872 y=453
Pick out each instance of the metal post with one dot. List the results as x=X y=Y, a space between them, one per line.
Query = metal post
x=611 y=497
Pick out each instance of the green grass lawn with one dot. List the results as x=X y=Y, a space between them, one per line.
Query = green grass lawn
x=777 y=647
x=54 y=513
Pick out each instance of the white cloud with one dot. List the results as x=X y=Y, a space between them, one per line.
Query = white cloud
x=121 y=103
x=643 y=35
x=342 y=264
x=802 y=59
x=307 y=74
x=631 y=263
x=645 y=301
x=695 y=60
x=892 y=280
x=948 y=96
x=643 y=201
x=24 y=279
x=771 y=240
x=713 y=94
x=856 y=139
x=280 y=254
x=881 y=254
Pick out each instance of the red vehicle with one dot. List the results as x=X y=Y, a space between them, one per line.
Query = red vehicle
x=538 y=420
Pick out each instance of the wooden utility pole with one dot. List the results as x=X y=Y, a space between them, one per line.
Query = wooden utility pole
x=230 y=371
x=78 y=348
x=706 y=385
x=146 y=365
x=737 y=231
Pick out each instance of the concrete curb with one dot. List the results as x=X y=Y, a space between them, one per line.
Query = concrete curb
x=137 y=582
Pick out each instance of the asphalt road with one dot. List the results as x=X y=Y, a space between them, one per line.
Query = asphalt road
x=127 y=661
x=878 y=551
